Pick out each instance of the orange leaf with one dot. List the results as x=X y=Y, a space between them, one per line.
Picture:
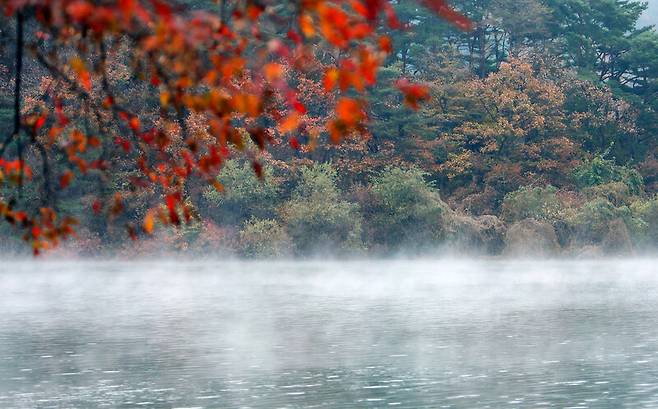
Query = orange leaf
x=330 y=79
x=385 y=44
x=134 y=124
x=80 y=69
x=85 y=80
x=149 y=222
x=164 y=99
x=273 y=71
x=290 y=123
x=306 y=25
x=349 y=111
x=247 y=104
x=94 y=141
x=218 y=186
x=20 y=216
x=336 y=131
x=360 y=31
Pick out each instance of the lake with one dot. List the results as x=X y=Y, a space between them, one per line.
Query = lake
x=314 y=334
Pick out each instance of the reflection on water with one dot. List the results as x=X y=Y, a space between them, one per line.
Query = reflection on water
x=420 y=334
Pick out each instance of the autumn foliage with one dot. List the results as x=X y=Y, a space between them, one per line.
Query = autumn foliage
x=226 y=83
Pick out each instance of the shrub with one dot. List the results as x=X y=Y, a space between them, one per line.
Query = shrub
x=215 y=240
x=244 y=196
x=407 y=209
x=591 y=222
x=647 y=211
x=539 y=203
x=264 y=238
x=617 y=193
x=317 y=217
x=599 y=171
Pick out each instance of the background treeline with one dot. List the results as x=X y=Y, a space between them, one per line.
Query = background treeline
x=541 y=137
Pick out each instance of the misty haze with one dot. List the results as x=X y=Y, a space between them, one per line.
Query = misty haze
x=400 y=333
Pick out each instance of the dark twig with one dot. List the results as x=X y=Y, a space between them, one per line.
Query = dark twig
x=46 y=173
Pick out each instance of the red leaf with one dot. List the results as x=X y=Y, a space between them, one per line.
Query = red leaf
x=299 y=107
x=391 y=17
x=39 y=123
x=385 y=44
x=294 y=143
x=132 y=233
x=258 y=137
x=258 y=169
x=171 y=201
x=162 y=9
x=442 y=8
x=65 y=179
x=97 y=206
x=296 y=38
x=79 y=10
x=413 y=93
x=59 y=111
x=20 y=216
x=124 y=143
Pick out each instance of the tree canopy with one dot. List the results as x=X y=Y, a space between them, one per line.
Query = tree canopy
x=156 y=95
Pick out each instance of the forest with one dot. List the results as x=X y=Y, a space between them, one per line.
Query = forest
x=534 y=132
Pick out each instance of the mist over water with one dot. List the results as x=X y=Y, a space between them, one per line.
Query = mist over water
x=403 y=333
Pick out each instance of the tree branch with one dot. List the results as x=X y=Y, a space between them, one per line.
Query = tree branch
x=17 y=85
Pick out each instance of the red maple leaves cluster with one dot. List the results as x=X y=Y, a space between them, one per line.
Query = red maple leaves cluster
x=235 y=67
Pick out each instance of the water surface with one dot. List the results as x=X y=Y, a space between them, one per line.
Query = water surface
x=401 y=334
